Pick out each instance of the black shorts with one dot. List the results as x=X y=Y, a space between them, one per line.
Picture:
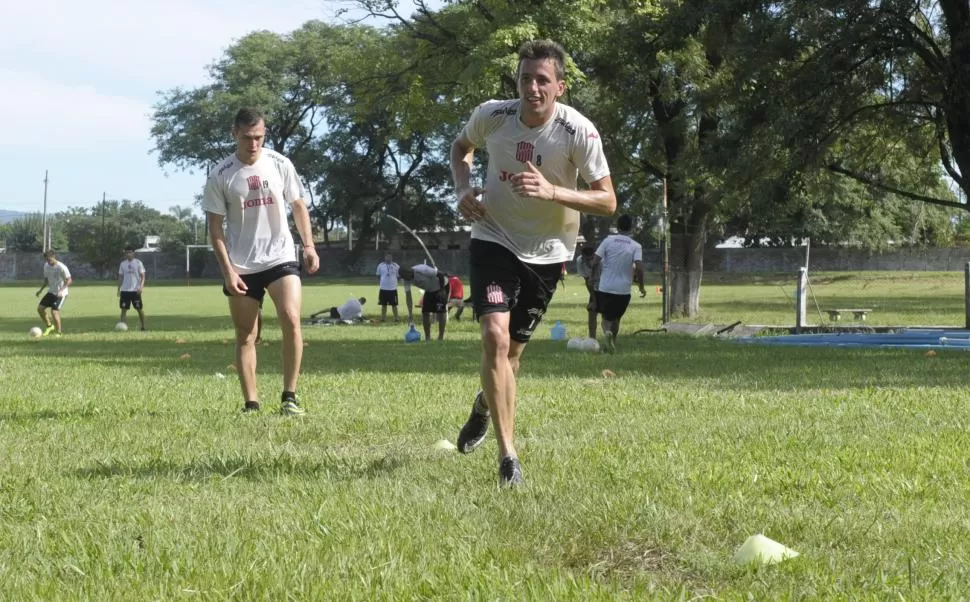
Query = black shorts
x=257 y=283
x=435 y=302
x=387 y=298
x=52 y=301
x=501 y=282
x=129 y=299
x=612 y=306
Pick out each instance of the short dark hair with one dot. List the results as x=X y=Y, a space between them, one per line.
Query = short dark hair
x=587 y=251
x=545 y=49
x=247 y=117
x=50 y=253
x=129 y=248
x=625 y=223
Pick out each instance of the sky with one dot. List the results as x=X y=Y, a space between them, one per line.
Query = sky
x=79 y=81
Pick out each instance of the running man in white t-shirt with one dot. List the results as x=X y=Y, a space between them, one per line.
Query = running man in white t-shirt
x=435 y=284
x=387 y=295
x=131 y=284
x=524 y=227
x=56 y=278
x=621 y=263
x=247 y=193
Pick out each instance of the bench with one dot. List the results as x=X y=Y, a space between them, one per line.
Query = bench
x=836 y=314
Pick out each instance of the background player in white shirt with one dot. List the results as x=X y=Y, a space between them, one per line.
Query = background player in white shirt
x=434 y=282
x=387 y=295
x=56 y=278
x=248 y=192
x=131 y=284
x=621 y=262
x=524 y=227
x=352 y=310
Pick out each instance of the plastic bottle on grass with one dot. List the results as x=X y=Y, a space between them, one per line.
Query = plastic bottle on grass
x=412 y=335
x=558 y=332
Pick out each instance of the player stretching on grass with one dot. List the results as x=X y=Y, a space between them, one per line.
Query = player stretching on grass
x=524 y=227
x=248 y=192
x=56 y=278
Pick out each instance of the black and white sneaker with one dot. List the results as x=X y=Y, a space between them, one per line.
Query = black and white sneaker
x=510 y=472
x=476 y=427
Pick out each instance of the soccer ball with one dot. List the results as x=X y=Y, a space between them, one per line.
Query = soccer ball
x=121 y=327
x=35 y=332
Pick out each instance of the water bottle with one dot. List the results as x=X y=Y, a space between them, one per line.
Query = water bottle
x=558 y=332
x=412 y=335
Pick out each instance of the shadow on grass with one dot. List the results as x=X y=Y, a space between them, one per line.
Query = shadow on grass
x=730 y=365
x=330 y=468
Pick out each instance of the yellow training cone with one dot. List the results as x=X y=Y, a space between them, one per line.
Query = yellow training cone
x=762 y=550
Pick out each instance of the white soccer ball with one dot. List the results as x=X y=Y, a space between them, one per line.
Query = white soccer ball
x=35 y=332
x=591 y=345
x=575 y=344
x=121 y=327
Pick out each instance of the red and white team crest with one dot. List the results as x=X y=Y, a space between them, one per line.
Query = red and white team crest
x=254 y=182
x=493 y=294
x=523 y=152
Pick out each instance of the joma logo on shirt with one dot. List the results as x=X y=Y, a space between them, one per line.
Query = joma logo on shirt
x=250 y=203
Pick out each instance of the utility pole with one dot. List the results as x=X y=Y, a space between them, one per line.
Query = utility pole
x=45 y=233
x=104 y=200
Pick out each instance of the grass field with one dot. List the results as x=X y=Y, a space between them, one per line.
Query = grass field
x=129 y=474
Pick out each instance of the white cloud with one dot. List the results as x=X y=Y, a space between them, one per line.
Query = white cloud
x=52 y=114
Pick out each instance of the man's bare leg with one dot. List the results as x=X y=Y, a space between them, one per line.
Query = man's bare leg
x=287 y=295
x=244 y=311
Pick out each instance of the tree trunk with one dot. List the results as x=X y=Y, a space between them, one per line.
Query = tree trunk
x=687 y=241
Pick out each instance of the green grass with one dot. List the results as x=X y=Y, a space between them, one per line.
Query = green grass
x=129 y=474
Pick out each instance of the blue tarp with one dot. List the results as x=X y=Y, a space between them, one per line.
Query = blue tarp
x=916 y=338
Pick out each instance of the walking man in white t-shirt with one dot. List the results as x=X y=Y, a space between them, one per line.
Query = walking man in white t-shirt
x=56 y=278
x=247 y=193
x=131 y=284
x=435 y=284
x=524 y=227
x=387 y=295
x=621 y=263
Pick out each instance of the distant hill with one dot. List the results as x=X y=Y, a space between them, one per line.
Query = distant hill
x=8 y=216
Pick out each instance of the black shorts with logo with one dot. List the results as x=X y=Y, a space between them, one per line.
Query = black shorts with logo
x=257 y=283
x=52 y=301
x=129 y=299
x=611 y=305
x=435 y=302
x=501 y=282
x=387 y=297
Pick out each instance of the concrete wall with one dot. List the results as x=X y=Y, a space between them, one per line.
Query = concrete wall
x=341 y=263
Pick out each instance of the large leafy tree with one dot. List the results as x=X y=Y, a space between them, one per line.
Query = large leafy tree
x=325 y=91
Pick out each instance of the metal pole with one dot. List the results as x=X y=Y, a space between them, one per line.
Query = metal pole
x=45 y=233
x=966 y=294
x=800 y=299
x=665 y=260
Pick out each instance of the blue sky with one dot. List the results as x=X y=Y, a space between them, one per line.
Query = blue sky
x=80 y=80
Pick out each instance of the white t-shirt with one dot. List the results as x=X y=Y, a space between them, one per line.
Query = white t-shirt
x=131 y=272
x=425 y=277
x=253 y=198
x=350 y=310
x=618 y=252
x=566 y=146
x=57 y=276
x=388 y=274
